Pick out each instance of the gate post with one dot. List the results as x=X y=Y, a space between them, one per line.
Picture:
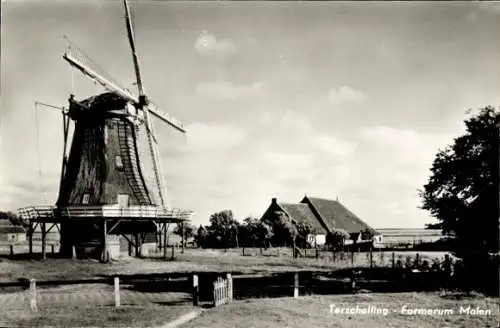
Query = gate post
x=296 y=285
x=195 y=290
x=229 y=287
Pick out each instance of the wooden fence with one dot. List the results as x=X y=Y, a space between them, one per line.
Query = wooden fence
x=223 y=290
x=217 y=291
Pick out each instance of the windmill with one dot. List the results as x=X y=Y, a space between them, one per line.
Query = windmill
x=103 y=189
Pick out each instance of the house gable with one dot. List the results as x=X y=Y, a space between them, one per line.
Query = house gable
x=296 y=212
x=302 y=213
x=335 y=215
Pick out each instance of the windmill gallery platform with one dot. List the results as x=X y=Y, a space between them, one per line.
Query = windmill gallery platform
x=103 y=187
x=134 y=223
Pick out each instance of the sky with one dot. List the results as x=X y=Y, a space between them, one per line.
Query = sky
x=280 y=99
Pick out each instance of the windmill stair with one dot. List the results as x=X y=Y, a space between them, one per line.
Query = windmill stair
x=130 y=161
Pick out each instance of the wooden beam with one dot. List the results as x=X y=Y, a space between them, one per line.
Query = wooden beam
x=44 y=234
x=164 y=241
x=183 y=240
x=136 y=235
x=51 y=227
x=105 y=242
x=30 y=235
x=100 y=79
x=130 y=241
x=114 y=226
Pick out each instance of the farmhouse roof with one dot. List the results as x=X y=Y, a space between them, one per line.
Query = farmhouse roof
x=335 y=215
x=302 y=213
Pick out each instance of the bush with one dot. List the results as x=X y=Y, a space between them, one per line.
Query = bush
x=337 y=238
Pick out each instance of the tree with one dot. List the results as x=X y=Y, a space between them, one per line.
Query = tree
x=225 y=228
x=284 y=231
x=188 y=230
x=303 y=230
x=201 y=236
x=462 y=190
x=367 y=234
x=12 y=217
x=337 y=238
x=255 y=232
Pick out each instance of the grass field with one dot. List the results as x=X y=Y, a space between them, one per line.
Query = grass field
x=305 y=311
x=314 y=311
x=102 y=316
x=193 y=260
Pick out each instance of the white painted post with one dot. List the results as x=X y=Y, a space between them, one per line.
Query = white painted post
x=195 y=290
x=296 y=285
x=117 y=291
x=215 y=293
x=33 y=304
x=230 y=287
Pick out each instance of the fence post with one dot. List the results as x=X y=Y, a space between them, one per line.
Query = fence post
x=195 y=290
x=352 y=257
x=334 y=256
x=12 y=251
x=296 y=285
x=447 y=265
x=52 y=250
x=117 y=291
x=243 y=250
x=229 y=287
x=216 y=294
x=371 y=258
x=33 y=304
x=416 y=259
x=393 y=260
x=317 y=253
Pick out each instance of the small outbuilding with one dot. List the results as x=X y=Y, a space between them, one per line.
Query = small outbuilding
x=11 y=233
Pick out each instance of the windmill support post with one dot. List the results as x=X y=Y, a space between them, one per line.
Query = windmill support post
x=104 y=241
x=137 y=252
x=30 y=235
x=183 y=240
x=164 y=241
x=44 y=255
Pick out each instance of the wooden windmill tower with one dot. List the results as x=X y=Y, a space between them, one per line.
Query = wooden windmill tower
x=103 y=189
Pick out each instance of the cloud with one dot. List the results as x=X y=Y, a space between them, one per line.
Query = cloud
x=226 y=90
x=387 y=168
x=333 y=145
x=406 y=143
x=346 y=94
x=208 y=45
x=201 y=136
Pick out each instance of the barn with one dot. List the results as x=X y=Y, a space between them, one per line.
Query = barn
x=323 y=216
x=11 y=233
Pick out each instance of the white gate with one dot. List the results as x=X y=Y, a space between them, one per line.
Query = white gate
x=223 y=290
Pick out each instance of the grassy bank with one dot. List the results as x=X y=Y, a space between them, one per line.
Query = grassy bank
x=314 y=311
x=193 y=260
x=102 y=316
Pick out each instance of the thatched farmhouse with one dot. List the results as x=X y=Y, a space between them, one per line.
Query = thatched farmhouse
x=323 y=216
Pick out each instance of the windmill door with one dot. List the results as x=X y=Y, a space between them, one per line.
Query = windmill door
x=123 y=200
